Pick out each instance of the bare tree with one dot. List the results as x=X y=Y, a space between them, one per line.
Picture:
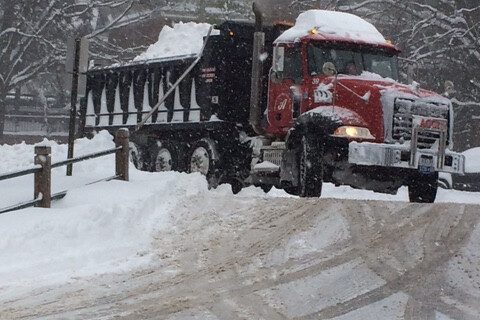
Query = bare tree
x=442 y=37
x=33 y=36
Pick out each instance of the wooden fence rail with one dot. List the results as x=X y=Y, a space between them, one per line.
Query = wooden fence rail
x=42 y=171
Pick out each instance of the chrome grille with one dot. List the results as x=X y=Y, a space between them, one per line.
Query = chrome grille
x=274 y=156
x=274 y=153
x=405 y=109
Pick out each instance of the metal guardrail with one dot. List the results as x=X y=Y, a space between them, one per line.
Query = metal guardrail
x=43 y=170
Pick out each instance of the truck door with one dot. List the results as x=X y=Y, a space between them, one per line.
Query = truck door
x=285 y=78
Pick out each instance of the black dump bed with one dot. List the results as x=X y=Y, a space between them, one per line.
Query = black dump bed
x=218 y=86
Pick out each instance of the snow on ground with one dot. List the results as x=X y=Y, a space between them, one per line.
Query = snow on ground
x=109 y=227
x=342 y=283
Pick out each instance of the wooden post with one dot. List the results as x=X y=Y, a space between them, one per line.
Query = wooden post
x=42 y=184
x=73 y=105
x=76 y=65
x=122 y=155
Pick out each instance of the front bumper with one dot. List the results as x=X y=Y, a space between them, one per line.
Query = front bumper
x=401 y=156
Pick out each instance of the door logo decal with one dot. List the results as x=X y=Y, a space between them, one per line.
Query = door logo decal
x=282 y=105
x=323 y=94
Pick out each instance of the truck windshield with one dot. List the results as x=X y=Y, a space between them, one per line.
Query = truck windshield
x=351 y=61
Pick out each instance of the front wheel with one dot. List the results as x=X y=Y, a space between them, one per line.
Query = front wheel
x=423 y=188
x=310 y=168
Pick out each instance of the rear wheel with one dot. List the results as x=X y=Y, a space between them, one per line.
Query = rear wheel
x=236 y=185
x=165 y=157
x=137 y=156
x=294 y=191
x=423 y=188
x=310 y=168
x=266 y=187
x=205 y=160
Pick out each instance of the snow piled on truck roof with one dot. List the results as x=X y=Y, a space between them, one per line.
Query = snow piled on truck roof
x=181 y=40
x=332 y=24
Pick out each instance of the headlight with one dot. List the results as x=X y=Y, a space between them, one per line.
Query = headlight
x=354 y=132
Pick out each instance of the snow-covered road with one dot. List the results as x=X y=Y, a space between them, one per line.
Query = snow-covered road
x=162 y=246
x=243 y=258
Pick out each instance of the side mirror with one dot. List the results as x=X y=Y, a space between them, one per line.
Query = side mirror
x=329 y=69
x=275 y=76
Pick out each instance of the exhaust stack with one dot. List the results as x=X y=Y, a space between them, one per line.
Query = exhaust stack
x=257 y=68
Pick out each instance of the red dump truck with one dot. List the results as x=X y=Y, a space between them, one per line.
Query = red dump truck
x=290 y=106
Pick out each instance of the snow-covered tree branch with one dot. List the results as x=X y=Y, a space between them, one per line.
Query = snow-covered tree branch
x=441 y=36
x=33 y=36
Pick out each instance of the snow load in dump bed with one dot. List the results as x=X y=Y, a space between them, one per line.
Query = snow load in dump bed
x=184 y=39
x=332 y=25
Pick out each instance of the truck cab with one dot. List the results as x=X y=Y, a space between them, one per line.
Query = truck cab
x=337 y=113
x=306 y=75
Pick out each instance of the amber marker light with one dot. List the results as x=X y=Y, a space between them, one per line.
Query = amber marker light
x=354 y=133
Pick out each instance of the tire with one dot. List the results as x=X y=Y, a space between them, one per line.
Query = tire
x=293 y=191
x=445 y=181
x=165 y=157
x=423 y=188
x=310 y=168
x=137 y=156
x=266 y=187
x=236 y=185
x=204 y=158
x=444 y=184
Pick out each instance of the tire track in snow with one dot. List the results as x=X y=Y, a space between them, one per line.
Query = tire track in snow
x=436 y=254
x=221 y=276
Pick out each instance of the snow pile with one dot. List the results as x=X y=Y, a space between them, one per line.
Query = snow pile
x=95 y=229
x=182 y=39
x=332 y=23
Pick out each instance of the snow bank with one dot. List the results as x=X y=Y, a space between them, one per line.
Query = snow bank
x=182 y=39
x=332 y=23
x=101 y=228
